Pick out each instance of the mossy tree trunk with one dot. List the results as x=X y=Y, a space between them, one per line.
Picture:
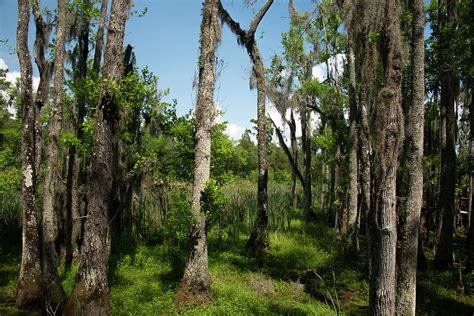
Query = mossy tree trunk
x=388 y=131
x=448 y=80
x=99 y=42
x=90 y=295
x=258 y=240
x=407 y=255
x=352 y=245
x=75 y=175
x=42 y=35
x=195 y=286
x=29 y=290
x=51 y=209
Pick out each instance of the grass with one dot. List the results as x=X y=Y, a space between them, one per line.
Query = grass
x=303 y=273
x=144 y=282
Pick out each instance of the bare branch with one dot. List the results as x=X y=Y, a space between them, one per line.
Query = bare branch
x=234 y=26
x=258 y=18
x=293 y=164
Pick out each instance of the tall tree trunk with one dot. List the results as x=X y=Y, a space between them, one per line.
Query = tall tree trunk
x=294 y=152
x=307 y=159
x=74 y=222
x=387 y=140
x=470 y=235
x=258 y=240
x=54 y=290
x=444 y=254
x=91 y=294
x=407 y=255
x=99 y=42
x=29 y=290
x=352 y=246
x=43 y=31
x=195 y=287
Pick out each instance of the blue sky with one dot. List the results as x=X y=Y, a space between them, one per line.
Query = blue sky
x=166 y=40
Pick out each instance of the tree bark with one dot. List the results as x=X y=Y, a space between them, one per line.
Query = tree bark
x=444 y=254
x=99 y=42
x=470 y=235
x=294 y=151
x=387 y=140
x=90 y=295
x=74 y=222
x=54 y=290
x=43 y=31
x=307 y=159
x=258 y=240
x=195 y=286
x=352 y=246
x=410 y=224
x=29 y=290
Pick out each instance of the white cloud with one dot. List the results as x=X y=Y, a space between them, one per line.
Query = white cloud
x=276 y=117
x=14 y=75
x=11 y=76
x=3 y=64
x=234 y=131
x=335 y=63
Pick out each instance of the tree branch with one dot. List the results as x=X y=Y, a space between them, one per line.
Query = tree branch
x=234 y=26
x=287 y=152
x=258 y=18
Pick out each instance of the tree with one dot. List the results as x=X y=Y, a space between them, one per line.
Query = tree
x=258 y=240
x=278 y=91
x=29 y=287
x=352 y=245
x=449 y=86
x=410 y=222
x=43 y=31
x=51 y=208
x=387 y=139
x=91 y=294
x=100 y=36
x=195 y=286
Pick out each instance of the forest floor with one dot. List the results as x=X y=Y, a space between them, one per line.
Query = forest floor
x=303 y=273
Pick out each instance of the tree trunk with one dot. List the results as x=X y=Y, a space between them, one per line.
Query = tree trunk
x=387 y=140
x=444 y=254
x=29 y=291
x=352 y=246
x=43 y=31
x=294 y=152
x=99 y=42
x=258 y=240
x=74 y=222
x=195 y=286
x=54 y=290
x=307 y=158
x=470 y=235
x=410 y=223
x=90 y=295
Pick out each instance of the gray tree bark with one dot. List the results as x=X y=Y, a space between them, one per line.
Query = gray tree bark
x=90 y=295
x=258 y=240
x=195 y=286
x=352 y=246
x=74 y=222
x=43 y=32
x=99 y=42
x=448 y=79
x=29 y=290
x=410 y=223
x=51 y=211
x=388 y=130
